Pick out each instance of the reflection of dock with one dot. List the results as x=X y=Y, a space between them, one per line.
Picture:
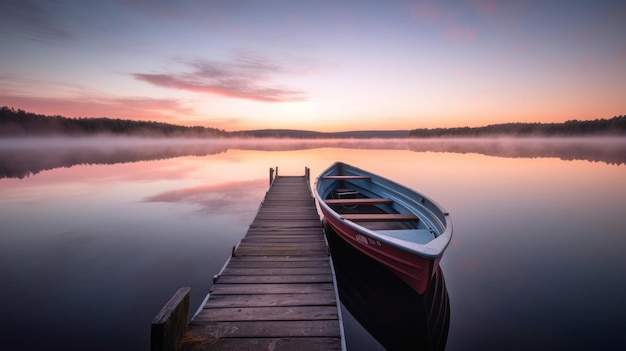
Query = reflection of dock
x=393 y=313
x=276 y=292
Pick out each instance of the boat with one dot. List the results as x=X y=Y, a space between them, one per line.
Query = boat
x=404 y=230
x=389 y=310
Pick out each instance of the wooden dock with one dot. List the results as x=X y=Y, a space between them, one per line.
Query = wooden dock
x=276 y=292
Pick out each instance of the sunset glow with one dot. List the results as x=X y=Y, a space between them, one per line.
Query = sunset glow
x=320 y=65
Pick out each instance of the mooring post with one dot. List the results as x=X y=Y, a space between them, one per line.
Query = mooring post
x=169 y=326
x=271 y=175
x=307 y=173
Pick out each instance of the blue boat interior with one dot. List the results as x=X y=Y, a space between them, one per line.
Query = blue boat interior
x=356 y=194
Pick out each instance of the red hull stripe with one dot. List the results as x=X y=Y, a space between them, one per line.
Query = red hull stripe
x=414 y=270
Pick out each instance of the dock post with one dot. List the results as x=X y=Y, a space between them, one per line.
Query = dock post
x=271 y=176
x=307 y=173
x=172 y=322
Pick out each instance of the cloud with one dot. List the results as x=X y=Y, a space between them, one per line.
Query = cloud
x=247 y=76
x=41 y=21
x=460 y=33
x=447 y=18
x=488 y=7
x=424 y=11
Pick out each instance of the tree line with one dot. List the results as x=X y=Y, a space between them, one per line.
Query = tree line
x=21 y=123
x=612 y=126
x=15 y=123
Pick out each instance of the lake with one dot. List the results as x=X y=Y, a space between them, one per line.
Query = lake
x=97 y=235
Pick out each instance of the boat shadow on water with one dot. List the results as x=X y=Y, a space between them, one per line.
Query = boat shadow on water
x=393 y=313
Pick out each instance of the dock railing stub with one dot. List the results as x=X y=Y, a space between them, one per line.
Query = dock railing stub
x=171 y=323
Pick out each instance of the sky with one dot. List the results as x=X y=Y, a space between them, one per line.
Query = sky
x=316 y=65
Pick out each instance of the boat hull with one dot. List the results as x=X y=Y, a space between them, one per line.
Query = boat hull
x=392 y=312
x=411 y=258
x=415 y=271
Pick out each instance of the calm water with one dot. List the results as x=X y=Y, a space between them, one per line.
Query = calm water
x=95 y=238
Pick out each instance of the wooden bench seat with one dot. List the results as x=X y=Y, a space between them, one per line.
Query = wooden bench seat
x=360 y=201
x=380 y=217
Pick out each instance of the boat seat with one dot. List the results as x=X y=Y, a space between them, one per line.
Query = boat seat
x=380 y=217
x=347 y=177
x=361 y=201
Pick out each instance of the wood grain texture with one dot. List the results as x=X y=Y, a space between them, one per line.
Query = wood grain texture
x=277 y=291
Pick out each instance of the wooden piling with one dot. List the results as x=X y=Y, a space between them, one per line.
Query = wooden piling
x=271 y=176
x=169 y=326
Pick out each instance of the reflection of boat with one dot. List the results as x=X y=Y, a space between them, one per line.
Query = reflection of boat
x=393 y=313
x=402 y=229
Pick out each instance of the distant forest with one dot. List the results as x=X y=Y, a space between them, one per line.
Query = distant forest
x=18 y=123
x=613 y=126
x=21 y=123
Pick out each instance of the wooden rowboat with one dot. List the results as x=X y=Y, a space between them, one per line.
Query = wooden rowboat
x=402 y=229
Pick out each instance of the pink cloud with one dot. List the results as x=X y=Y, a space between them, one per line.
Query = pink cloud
x=485 y=6
x=247 y=76
x=460 y=33
x=424 y=11
x=447 y=17
x=233 y=88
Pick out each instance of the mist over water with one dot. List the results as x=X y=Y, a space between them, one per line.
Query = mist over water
x=21 y=157
x=97 y=235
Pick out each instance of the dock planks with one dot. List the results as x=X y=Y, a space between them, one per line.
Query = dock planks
x=277 y=290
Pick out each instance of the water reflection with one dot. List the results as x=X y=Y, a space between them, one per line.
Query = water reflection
x=215 y=198
x=391 y=312
x=89 y=254
x=608 y=150
x=21 y=158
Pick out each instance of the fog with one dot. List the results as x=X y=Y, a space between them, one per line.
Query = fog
x=22 y=157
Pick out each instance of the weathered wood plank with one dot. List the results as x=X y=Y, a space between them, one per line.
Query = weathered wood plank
x=274 y=329
x=278 y=244
x=270 y=239
x=296 y=216
x=318 y=258
x=278 y=265
x=287 y=232
x=268 y=279
x=276 y=252
x=241 y=289
x=321 y=298
x=276 y=271
x=201 y=343
x=274 y=313
x=272 y=224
